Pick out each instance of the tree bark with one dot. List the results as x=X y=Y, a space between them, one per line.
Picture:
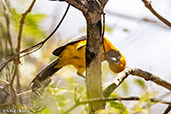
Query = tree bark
x=92 y=10
x=93 y=60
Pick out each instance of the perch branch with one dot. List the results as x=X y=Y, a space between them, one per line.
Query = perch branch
x=148 y=5
x=136 y=72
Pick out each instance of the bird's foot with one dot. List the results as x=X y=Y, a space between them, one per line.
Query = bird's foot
x=81 y=75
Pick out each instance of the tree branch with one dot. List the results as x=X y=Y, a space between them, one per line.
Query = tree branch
x=93 y=60
x=21 y=25
x=17 y=61
x=112 y=99
x=148 y=5
x=136 y=72
x=134 y=18
x=167 y=109
x=7 y=18
x=35 y=47
x=19 y=38
x=79 y=4
x=103 y=2
x=92 y=10
x=4 y=81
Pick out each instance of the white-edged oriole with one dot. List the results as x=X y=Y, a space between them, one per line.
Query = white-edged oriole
x=73 y=53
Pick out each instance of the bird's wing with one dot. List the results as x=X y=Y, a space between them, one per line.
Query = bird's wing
x=71 y=42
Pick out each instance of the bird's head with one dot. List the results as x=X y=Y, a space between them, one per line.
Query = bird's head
x=116 y=60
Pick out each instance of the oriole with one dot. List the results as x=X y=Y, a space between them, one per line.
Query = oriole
x=73 y=53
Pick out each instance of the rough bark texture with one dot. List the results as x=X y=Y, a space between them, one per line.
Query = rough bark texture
x=92 y=10
x=93 y=60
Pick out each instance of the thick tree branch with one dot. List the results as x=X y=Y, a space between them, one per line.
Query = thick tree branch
x=93 y=60
x=148 y=5
x=92 y=10
x=136 y=72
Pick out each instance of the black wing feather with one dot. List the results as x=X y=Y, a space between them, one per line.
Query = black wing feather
x=58 y=51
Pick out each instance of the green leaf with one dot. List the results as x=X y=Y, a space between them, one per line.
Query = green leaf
x=63 y=103
x=108 y=29
x=32 y=24
x=46 y=111
x=112 y=111
x=125 y=30
x=119 y=107
x=144 y=104
x=62 y=100
x=140 y=83
x=147 y=95
x=114 y=95
x=71 y=82
x=60 y=97
x=86 y=108
x=125 y=87
x=32 y=32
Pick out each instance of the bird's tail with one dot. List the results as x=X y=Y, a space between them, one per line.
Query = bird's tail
x=44 y=74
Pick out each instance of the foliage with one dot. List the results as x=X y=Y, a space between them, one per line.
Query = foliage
x=32 y=31
x=144 y=104
x=56 y=99
x=125 y=87
x=115 y=108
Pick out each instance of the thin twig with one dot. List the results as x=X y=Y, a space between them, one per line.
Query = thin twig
x=35 y=47
x=17 y=61
x=167 y=109
x=125 y=16
x=164 y=95
x=103 y=3
x=14 y=94
x=103 y=32
x=148 y=5
x=4 y=81
x=136 y=72
x=5 y=105
x=78 y=4
x=112 y=99
x=25 y=92
x=7 y=18
x=21 y=25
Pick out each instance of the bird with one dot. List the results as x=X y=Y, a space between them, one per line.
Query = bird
x=73 y=53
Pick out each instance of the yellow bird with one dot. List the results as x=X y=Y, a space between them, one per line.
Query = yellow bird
x=73 y=53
